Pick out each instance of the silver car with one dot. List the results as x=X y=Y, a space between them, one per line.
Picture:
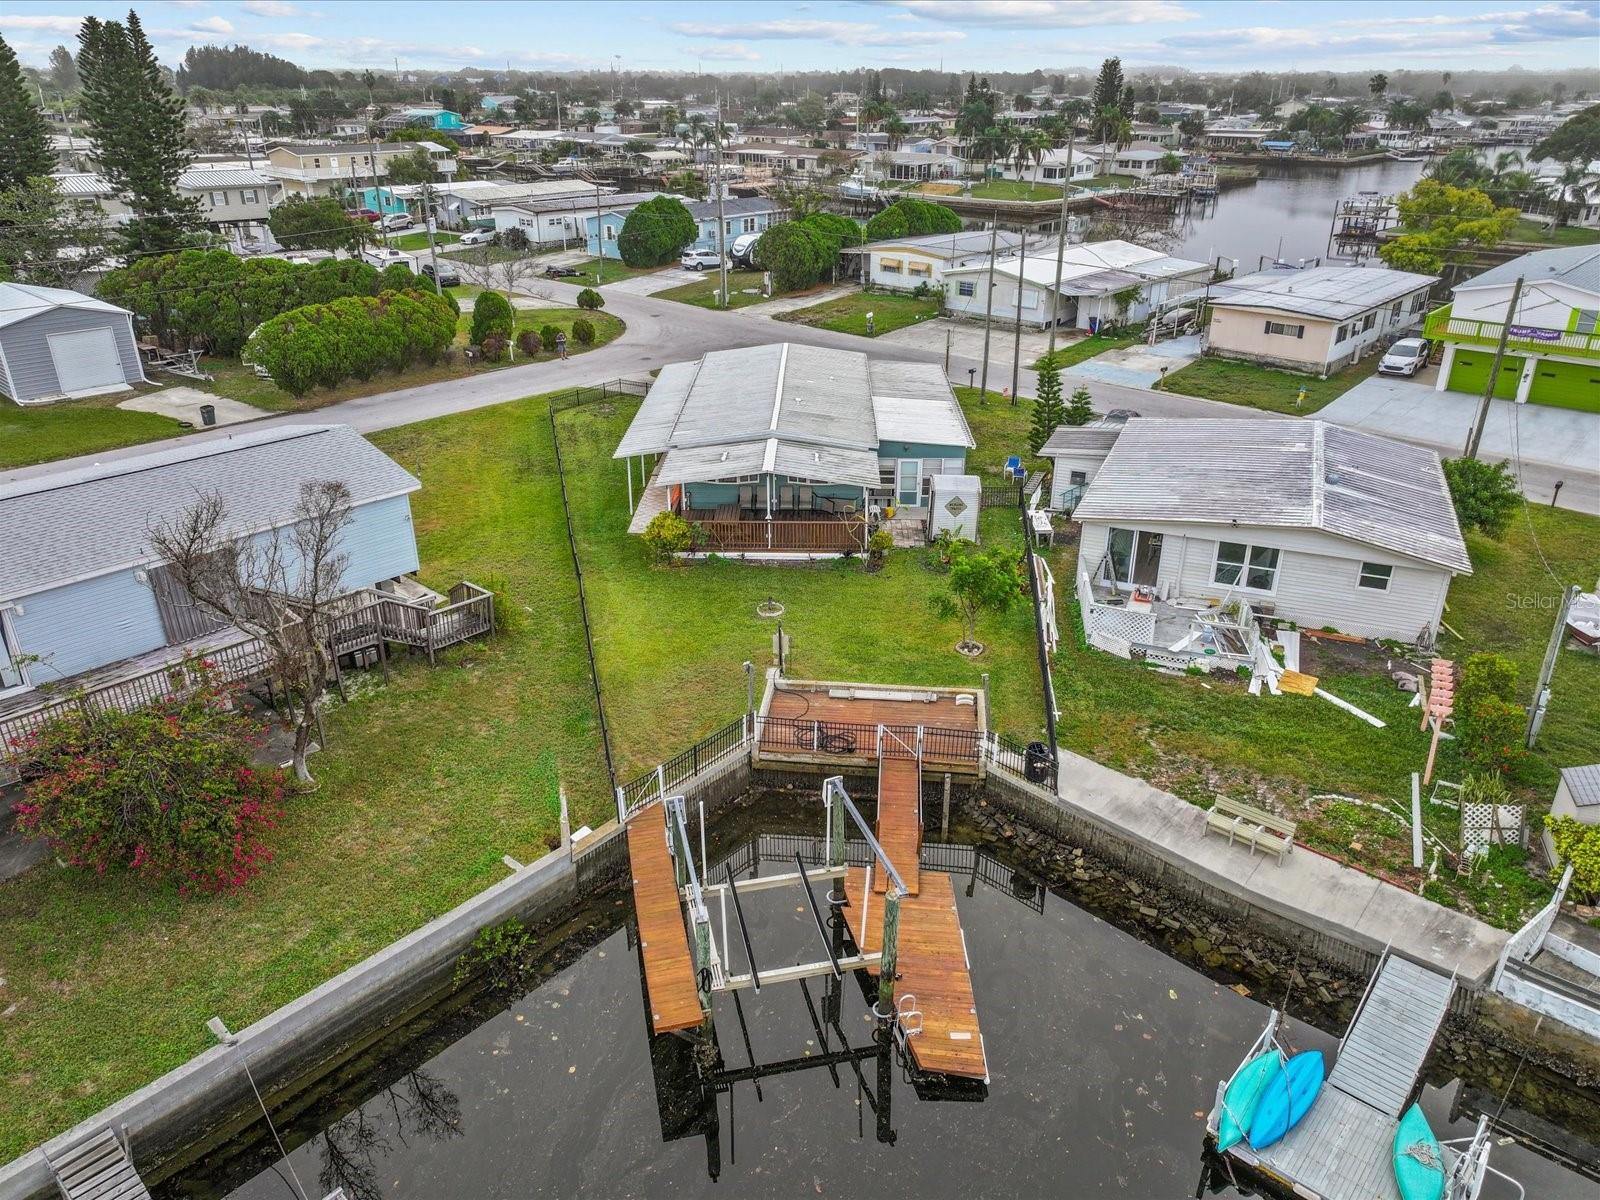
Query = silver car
x=1405 y=357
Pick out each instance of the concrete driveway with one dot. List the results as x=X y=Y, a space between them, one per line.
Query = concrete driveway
x=655 y=281
x=1140 y=366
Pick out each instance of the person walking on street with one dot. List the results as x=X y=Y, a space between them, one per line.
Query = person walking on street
x=561 y=345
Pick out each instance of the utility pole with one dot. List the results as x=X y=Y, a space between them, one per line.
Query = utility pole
x=722 y=223
x=1476 y=435
x=1016 y=339
x=988 y=309
x=377 y=189
x=599 y=237
x=1061 y=238
x=1541 y=691
x=427 y=224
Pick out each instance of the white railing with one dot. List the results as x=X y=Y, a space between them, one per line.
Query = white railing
x=1113 y=624
x=1525 y=942
x=1047 y=603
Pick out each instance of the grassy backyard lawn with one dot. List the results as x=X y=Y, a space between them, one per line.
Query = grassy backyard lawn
x=1101 y=182
x=848 y=314
x=1539 y=231
x=1091 y=345
x=419 y=241
x=45 y=432
x=426 y=783
x=1264 y=387
x=744 y=288
x=1014 y=189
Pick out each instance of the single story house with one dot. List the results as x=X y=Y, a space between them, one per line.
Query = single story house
x=915 y=165
x=1553 y=347
x=440 y=120
x=1142 y=160
x=784 y=158
x=57 y=344
x=1076 y=453
x=80 y=587
x=1052 y=167
x=1577 y=796
x=1317 y=320
x=601 y=230
x=904 y=263
x=1110 y=282
x=740 y=215
x=793 y=449
x=466 y=203
x=1316 y=523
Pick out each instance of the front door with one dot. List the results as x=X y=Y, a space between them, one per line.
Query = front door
x=908 y=490
x=1133 y=558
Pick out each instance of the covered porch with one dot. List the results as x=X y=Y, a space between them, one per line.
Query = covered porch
x=769 y=515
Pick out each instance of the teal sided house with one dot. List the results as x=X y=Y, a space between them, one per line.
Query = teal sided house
x=739 y=216
x=788 y=450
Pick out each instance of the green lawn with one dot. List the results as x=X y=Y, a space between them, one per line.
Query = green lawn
x=848 y=314
x=1091 y=345
x=601 y=271
x=45 y=432
x=1539 y=231
x=1264 y=387
x=419 y=241
x=1101 y=182
x=606 y=329
x=1014 y=189
x=744 y=289
x=426 y=783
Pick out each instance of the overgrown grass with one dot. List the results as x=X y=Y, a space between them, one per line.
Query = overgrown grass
x=425 y=784
x=1091 y=345
x=744 y=289
x=45 y=432
x=1539 y=231
x=1014 y=189
x=848 y=314
x=419 y=241
x=1265 y=387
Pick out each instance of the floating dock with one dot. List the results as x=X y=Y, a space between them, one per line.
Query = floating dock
x=664 y=945
x=1343 y=1149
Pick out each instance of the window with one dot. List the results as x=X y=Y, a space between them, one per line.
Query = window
x=749 y=224
x=919 y=268
x=611 y=233
x=890 y=266
x=1588 y=318
x=1343 y=334
x=1278 y=327
x=966 y=288
x=250 y=197
x=1394 y=310
x=1368 y=321
x=1241 y=565
x=219 y=199
x=1375 y=576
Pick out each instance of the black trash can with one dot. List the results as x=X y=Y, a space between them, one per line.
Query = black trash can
x=208 y=414
x=1036 y=763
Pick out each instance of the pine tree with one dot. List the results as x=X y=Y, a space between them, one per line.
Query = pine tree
x=1078 y=410
x=1047 y=410
x=24 y=139
x=136 y=126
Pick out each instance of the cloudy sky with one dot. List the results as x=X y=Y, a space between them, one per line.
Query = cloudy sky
x=718 y=35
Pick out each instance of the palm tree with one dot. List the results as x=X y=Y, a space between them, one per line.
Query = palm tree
x=1562 y=189
x=896 y=129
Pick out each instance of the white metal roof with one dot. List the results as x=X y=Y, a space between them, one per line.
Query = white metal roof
x=1288 y=474
x=1331 y=293
x=19 y=301
x=1575 y=266
x=1092 y=266
x=947 y=245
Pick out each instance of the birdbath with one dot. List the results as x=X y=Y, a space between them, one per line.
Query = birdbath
x=769 y=608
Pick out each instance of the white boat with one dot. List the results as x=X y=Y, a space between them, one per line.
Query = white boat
x=856 y=187
x=1409 y=155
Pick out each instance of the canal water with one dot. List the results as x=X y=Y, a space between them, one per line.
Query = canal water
x=1104 y=1056
x=1287 y=213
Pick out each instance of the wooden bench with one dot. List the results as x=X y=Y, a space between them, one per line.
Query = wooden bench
x=1257 y=829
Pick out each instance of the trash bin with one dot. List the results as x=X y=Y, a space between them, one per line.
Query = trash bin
x=1036 y=764
x=208 y=414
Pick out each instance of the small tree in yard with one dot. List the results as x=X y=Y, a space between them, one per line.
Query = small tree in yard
x=589 y=300
x=1079 y=410
x=1048 y=412
x=1485 y=494
x=667 y=536
x=655 y=232
x=168 y=791
x=279 y=587
x=583 y=332
x=1578 y=844
x=491 y=317
x=980 y=581
x=547 y=337
x=1489 y=734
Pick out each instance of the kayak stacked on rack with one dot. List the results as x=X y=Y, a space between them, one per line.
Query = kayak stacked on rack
x=1268 y=1096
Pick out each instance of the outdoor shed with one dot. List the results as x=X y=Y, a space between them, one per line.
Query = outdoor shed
x=57 y=344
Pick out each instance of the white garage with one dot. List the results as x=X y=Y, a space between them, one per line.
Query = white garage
x=60 y=345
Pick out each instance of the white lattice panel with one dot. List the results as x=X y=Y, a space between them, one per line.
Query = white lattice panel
x=1485 y=825
x=1122 y=623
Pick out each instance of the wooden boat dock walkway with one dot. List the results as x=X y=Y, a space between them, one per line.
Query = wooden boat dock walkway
x=899 y=828
x=1344 y=1147
x=663 y=941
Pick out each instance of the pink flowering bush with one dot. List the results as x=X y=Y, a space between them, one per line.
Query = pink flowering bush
x=169 y=792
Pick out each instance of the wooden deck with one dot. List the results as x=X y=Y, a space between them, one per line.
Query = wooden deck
x=932 y=969
x=900 y=821
x=828 y=725
x=668 y=961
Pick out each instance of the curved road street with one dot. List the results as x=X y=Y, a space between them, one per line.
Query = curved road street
x=663 y=331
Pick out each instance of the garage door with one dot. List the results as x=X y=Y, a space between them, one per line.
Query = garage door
x=1471 y=371
x=86 y=361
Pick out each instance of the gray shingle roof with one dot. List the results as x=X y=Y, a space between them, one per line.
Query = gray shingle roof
x=732 y=206
x=1584 y=784
x=1081 y=439
x=76 y=524
x=1281 y=474
x=1330 y=293
x=1578 y=266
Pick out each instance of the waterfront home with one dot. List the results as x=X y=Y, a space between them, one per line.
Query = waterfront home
x=900 y=264
x=791 y=449
x=1052 y=167
x=1309 y=521
x=81 y=590
x=918 y=166
x=57 y=344
x=1553 y=348
x=1316 y=320
x=440 y=120
x=1102 y=283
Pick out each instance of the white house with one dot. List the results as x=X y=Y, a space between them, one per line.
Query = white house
x=1052 y=167
x=1110 y=282
x=1076 y=453
x=1311 y=522
x=903 y=263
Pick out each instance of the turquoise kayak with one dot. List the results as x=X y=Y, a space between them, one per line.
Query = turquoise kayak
x=1287 y=1097
x=1418 y=1161
x=1243 y=1094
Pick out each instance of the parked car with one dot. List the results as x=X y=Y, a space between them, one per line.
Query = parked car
x=477 y=237
x=448 y=275
x=399 y=220
x=366 y=214
x=700 y=260
x=1405 y=357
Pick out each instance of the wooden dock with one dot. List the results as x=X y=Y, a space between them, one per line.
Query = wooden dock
x=900 y=821
x=97 y=1168
x=933 y=976
x=834 y=725
x=663 y=941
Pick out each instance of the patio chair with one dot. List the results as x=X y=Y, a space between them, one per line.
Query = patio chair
x=747 y=497
x=807 y=501
x=786 y=497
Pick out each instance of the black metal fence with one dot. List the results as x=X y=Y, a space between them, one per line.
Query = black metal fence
x=847 y=739
x=707 y=752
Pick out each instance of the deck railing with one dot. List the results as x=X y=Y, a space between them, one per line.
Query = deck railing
x=830 y=536
x=727 y=744
x=1442 y=323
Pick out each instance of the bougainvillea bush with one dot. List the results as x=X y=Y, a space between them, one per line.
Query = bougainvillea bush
x=169 y=792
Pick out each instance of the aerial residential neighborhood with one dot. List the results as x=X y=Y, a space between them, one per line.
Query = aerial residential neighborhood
x=637 y=599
